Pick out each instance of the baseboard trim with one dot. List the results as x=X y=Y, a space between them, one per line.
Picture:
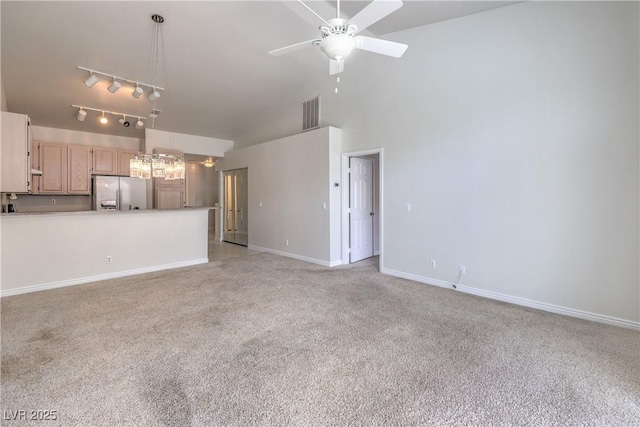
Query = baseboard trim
x=552 y=308
x=97 y=278
x=296 y=256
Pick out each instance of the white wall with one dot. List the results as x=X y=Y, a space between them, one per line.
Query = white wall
x=514 y=135
x=293 y=177
x=48 y=251
x=47 y=134
x=192 y=144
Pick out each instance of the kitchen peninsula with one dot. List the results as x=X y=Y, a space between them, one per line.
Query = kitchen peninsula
x=50 y=250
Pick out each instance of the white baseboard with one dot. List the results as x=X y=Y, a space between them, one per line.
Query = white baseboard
x=566 y=311
x=296 y=256
x=115 y=275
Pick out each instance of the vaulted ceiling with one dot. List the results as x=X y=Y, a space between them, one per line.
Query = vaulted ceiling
x=219 y=73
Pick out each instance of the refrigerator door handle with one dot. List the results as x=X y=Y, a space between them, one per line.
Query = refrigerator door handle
x=118 y=197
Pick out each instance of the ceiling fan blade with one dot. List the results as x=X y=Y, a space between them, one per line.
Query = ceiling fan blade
x=335 y=67
x=383 y=47
x=292 y=48
x=375 y=11
x=310 y=15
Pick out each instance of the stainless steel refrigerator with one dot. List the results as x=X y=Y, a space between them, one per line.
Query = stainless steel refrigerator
x=119 y=193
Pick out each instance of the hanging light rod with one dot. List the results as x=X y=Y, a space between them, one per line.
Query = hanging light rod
x=92 y=80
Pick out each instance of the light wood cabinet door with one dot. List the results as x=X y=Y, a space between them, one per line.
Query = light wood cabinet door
x=169 y=198
x=53 y=164
x=123 y=162
x=105 y=161
x=79 y=169
x=14 y=145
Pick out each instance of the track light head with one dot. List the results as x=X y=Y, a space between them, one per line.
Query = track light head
x=113 y=87
x=91 y=80
x=137 y=92
x=124 y=122
x=81 y=115
x=139 y=124
x=154 y=95
x=103 y=119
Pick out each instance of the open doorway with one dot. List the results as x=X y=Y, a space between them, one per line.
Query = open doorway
x=362 y=206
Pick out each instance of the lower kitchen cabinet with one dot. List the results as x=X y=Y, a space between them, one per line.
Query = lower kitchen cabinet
x=169 y=197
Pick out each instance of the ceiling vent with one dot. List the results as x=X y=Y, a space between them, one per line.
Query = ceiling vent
x=311 y=114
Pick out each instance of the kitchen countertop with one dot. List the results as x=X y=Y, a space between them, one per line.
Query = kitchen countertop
x=104 y=212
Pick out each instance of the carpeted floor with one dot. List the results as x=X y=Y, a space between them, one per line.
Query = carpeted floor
x=265 y=340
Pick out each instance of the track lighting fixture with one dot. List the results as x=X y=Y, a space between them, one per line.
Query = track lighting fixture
x=91 y=80
x=113 y=87
x=82 y=114
x=123 y=121
x=137 y=92
x=154 y=95
x=117 y=82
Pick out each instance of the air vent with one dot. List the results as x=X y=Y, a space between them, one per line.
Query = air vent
x=311 y=114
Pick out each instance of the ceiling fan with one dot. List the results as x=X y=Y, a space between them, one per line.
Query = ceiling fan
x=338 y=35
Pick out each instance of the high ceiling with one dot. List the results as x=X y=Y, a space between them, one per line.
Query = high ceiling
x=219 y=74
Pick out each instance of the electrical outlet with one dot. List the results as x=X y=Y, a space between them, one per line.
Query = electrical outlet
x=286 y=242
x=53 y=201
x=433 y=263
x=109 y=259
x=463 y=270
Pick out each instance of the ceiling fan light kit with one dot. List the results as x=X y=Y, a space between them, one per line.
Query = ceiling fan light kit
x=338 y=36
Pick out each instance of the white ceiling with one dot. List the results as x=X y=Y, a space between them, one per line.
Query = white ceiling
x=219 y=74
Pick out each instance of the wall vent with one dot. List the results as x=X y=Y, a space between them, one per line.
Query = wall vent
x=311 y=114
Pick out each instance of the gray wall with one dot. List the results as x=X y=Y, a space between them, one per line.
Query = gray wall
x=514 y=135
x=291 y=194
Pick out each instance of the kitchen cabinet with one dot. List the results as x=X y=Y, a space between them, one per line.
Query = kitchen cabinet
x=53 y=165
x=169 y=197
x=14 y=146
x=168 y=194
x=79 y=169
x=105 y=161
x=124 y=156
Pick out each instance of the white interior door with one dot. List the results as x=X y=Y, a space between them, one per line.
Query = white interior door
x=360 y=208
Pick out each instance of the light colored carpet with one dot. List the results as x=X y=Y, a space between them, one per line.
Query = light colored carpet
x=265 y=340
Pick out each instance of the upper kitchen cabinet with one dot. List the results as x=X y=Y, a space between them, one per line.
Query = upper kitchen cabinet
x=124 y=157
x=105 y=161
x=53 y=164
x=111 y=161
x=16 y=168
x=79 y=169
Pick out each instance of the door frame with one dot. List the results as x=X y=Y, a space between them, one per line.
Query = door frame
x=345 y=201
